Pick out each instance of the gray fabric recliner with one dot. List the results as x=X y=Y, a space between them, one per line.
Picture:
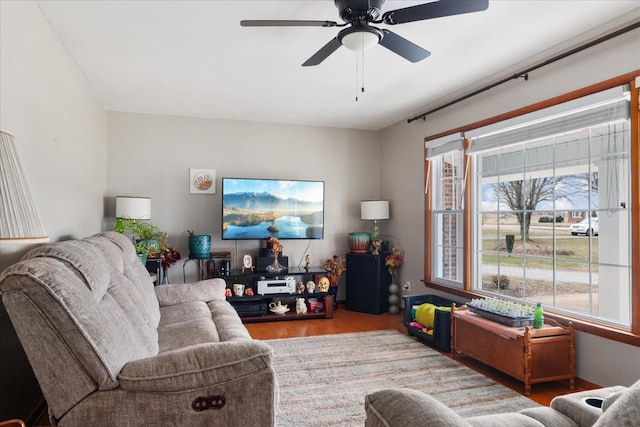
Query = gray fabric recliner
x=110 y=349
x=620 y=407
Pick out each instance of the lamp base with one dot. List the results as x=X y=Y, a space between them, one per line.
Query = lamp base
x=119 y=226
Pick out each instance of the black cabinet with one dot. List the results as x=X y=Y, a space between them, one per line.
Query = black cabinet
x=154 y=266
x=368 y=282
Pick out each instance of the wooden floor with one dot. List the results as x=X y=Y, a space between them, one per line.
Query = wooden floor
x=351 y=321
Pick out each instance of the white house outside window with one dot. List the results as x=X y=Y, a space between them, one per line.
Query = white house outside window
x=528 y=173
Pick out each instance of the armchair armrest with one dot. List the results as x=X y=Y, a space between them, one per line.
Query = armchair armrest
x=204 y=290
x=406 y=408
x=197 y=367
x=574 y=406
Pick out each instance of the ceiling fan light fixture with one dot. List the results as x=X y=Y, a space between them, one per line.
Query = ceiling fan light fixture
x=360 y=39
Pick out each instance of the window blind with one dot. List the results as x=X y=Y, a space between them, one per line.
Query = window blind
x=445 y=144
x=604 y=107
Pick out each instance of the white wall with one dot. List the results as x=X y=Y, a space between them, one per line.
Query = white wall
x=61 y=137
x=59 y=128
x=150 y=155
x=599 y=360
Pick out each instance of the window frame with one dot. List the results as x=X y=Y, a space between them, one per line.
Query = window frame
x=631 y=336
x=452 y=149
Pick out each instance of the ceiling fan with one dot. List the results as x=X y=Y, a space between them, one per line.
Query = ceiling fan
x=360 y=35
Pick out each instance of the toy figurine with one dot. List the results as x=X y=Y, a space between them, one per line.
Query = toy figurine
x=301 y=307
x=307 y=262
x=311 y=287
x=323 y=284
x=227 y=292
x=248 y=292
x=299 y=288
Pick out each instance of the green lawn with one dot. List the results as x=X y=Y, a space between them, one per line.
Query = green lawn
x=539 y=249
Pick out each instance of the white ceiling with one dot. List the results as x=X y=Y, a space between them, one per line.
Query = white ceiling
x=193 y=58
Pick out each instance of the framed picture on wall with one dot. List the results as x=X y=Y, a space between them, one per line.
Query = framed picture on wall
x=202 y=181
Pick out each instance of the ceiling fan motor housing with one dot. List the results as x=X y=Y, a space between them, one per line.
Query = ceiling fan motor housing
x=359 y=11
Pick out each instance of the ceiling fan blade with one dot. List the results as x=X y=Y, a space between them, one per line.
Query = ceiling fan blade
x=286 y=23
x=403 y=47
x=436 y=9
x=323 y=53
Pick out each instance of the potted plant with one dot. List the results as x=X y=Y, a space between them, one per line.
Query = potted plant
x=199 y=245
x=143 y=230
x=334 y=267
x=143 y=250
x=147 y=238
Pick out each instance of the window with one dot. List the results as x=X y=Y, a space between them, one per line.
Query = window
x=445 y=158
x=586 y=153
x=531 y=170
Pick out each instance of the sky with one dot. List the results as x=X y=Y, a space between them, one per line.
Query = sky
x=577 y=198
x=311 y=191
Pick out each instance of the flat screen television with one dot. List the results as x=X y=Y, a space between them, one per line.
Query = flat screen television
x=255 y=209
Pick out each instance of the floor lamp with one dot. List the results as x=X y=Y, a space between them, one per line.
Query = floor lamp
x=19 y=218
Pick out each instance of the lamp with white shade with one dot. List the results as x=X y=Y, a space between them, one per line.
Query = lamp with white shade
x=136 y=208
x=19 y=218
x=374 y=210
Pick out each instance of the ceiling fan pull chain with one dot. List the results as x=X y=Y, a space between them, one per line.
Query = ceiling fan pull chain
x=362 y=79
x=357 y=78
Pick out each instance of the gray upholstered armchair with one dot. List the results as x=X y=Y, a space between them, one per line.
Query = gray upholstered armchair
x=110 y=349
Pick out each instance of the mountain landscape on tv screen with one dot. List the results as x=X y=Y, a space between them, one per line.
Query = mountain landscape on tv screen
x=253 y=215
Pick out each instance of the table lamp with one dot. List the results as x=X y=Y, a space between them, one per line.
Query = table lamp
x=131 y=208
x=374 y=210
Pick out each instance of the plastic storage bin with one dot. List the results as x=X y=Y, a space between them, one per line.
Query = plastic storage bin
x=441 y=338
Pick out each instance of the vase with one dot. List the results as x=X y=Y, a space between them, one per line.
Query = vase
x=275 y=267
x=394 y=299
x=333 y=290
x=143 y=258
x=200 y=246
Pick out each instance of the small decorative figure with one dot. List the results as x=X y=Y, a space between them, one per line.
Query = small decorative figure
x=323 y=284
x=311 y=287
x=227 y=293
x=247 y=263
x=307 y=263
x=375 y=246
x=249 y=292
x=299 y=288
x=301 y=307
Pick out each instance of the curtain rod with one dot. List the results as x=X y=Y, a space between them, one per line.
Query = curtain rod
x=525 y=73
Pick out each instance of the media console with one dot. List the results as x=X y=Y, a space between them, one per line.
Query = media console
x=255 y=308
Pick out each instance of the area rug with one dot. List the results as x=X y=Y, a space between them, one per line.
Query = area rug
x=324 y=379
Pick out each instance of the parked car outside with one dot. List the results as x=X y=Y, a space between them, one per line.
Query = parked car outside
x=588 y=227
